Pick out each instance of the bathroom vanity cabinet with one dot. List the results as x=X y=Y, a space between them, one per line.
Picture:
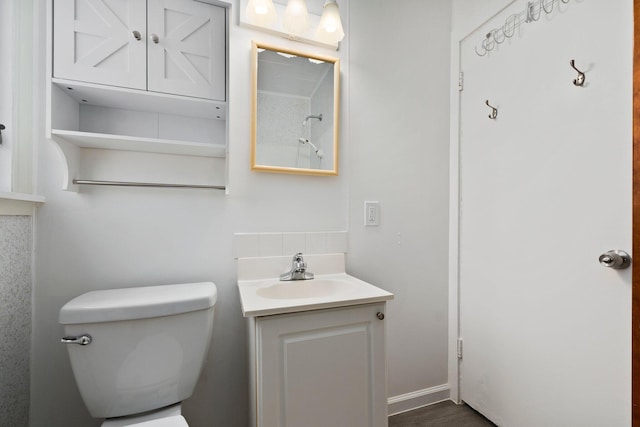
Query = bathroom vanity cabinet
x=316 y=346
x=319 y=368
x=146 y=76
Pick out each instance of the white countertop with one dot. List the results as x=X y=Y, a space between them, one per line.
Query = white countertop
x=262 y=293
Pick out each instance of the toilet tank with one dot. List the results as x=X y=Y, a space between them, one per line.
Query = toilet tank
x=148 y=345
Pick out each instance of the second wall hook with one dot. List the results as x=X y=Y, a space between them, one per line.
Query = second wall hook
x=578 y=81
x=494 y=111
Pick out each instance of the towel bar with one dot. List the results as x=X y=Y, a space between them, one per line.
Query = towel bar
x=146 y=184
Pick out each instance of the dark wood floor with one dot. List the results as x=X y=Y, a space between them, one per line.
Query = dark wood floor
x=443 y=414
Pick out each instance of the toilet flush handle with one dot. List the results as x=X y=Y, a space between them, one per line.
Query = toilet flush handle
x=80 y=339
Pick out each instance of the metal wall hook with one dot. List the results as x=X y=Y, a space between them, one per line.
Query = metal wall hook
x=494 y=111
x=531 y=13
x=1 y=129
x=578 y=81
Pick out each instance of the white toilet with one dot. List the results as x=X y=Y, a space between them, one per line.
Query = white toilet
x=137 y=353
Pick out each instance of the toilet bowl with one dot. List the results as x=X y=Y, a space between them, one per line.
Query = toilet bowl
x=178 y=421
x=136 y=353
x=164 y=417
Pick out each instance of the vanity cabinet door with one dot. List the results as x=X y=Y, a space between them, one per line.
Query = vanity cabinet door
x=187 y=48
x=101 y=41
x=322 y=368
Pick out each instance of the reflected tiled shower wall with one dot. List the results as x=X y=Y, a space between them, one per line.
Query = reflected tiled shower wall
x=15 y=318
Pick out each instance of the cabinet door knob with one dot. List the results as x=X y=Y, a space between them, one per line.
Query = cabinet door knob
x=136 y=34
x=380 y=315
x=154 y=38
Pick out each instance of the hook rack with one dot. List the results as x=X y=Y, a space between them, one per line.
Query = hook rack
x=578 y=81
x=532 y=13
x=494 y=111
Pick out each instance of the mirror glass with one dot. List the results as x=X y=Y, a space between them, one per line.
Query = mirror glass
x=294 y=123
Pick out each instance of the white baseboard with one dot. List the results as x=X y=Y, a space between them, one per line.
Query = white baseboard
x=417 y=399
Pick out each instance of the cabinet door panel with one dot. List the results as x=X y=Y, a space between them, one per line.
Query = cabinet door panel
x=187 y=48
x=93 y=41
x=322 y=368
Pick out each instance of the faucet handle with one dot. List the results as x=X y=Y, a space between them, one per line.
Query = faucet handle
x=298 y=269
x=298 y=263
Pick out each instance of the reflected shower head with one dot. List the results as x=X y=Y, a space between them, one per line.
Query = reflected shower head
x=318 y=151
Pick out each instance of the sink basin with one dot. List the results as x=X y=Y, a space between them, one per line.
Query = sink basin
x=266 y=296
x=313 y=288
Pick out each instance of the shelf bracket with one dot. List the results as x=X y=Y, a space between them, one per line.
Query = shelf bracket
x=69 y=154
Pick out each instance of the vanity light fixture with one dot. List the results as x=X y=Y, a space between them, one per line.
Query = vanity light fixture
x=296 y=17
x=330 y=29
x=298 y=20
x=261 y=12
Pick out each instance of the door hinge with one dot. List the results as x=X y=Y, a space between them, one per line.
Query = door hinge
x=459 y=348
x=460 y=81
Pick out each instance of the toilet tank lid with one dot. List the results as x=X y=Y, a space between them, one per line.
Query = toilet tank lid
x=138 y=303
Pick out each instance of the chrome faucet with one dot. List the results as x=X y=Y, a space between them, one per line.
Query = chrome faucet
x=298 y=270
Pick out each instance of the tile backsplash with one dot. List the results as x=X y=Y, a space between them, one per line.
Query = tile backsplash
x=278 y=244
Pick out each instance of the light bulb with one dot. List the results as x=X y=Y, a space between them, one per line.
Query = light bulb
x=330 y=28
x=261 y=12
x=296 y=17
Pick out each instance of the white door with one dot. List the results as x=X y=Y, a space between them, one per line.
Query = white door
x=101 y=41
x=322 y=368
x=187 y=48
x=545 y=190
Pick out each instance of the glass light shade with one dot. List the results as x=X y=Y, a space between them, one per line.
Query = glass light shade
x=330 y=28
x=296 y=17
x=261 y=12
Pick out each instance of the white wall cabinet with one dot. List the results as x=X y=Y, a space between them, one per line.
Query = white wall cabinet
x=319 y=368
x=138 y=75
x=167 y=46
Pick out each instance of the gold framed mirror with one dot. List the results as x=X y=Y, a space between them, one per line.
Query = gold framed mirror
x=295 y=111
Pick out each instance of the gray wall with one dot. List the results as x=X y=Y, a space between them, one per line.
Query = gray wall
x=120 y=237
x=394 y=148
x=399 y=156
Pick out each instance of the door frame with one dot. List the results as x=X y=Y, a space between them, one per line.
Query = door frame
x=635 y=278
x=457 y=38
